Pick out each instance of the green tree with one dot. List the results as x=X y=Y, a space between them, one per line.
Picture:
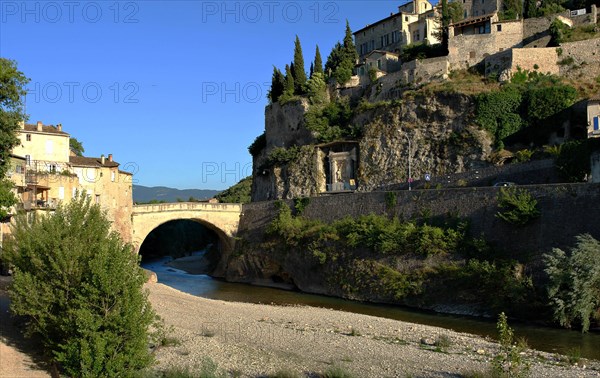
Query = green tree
x=445 y=23
x=289 y=84
x=511 y=10
x=76 y=146
x=350 y=52
x=298 y=71
x=574 y=287
x=277 y=85
x=340 y=62
x=318 y=65
x=573 y=160
x=518 y=206
x=530 y=9
x=456 y=11
x=12 y=90
x=80 y=287
x=317 y=89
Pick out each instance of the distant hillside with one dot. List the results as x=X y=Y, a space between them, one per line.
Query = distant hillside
x=162 y=193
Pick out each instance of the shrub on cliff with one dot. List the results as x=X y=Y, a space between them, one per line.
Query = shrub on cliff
x=80 y=289
x=518 y=206
x=574 y=288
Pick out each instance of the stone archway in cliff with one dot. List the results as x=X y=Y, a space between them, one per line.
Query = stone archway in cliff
x=183 y=234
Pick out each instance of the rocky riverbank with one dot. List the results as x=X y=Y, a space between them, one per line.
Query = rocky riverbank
x=253 y=340
x=259 y=340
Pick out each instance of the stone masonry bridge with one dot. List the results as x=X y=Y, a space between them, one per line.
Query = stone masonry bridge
x=222 y=218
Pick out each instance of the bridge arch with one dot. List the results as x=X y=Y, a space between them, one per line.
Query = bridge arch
x=221 y=218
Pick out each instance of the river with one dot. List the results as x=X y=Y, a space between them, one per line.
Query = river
x=541 y=338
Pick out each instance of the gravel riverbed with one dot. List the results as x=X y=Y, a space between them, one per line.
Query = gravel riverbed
x=260 y=340
x=257 y=340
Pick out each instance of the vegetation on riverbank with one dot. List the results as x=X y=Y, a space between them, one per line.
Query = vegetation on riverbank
x=422 y=263
x=79 y=288
x=427 y=263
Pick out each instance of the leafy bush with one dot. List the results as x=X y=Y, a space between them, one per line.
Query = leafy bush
x=421 y=51
x=282 y=155
x=258 y=145
x=522 y=156
x=498 y=113
x=573 y=161
x=519 y=206
x=80 y=289
x=543 y=102
x=374 y=232
x=332 y=121
x=574 y=287
x=509 y=362
x=559 y=32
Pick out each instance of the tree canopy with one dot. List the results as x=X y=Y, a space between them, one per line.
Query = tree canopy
x=12 y=112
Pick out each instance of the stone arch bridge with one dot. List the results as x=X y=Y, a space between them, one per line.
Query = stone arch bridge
x=222 y=218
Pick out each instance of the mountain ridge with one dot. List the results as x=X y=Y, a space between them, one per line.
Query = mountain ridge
x=164 y=193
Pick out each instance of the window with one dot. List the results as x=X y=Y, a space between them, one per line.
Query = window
x=499 y=27
x=113 y=175
x=98 y=198
x=379 y=63
x=472 y=55
x=465 y=14
x=28 y=137
x=417 y=35
x=28 y=159
x=597 y=123
x=482 y=1
x=406 y=18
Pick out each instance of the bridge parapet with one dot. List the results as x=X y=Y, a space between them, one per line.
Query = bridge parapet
x=187 y=206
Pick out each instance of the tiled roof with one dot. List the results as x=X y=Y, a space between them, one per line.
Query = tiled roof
x=45 y=129
x=82 y=161
x=596 y=97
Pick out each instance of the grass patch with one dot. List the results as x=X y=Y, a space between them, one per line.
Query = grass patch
x=336 y=372
x=285 y=373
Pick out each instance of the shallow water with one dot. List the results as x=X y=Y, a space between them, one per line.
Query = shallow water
x=541 y=338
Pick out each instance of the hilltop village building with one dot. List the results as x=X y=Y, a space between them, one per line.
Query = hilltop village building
x=46 y=172
x=415 y=22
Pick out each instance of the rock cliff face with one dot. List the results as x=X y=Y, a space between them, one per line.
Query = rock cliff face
x=439 y=128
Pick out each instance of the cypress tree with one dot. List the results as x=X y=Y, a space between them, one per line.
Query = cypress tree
x=289 y=81
x=277 y=85
x=445 y=24
x=298 y=71
x=312 y=68
x=349 y=49
x=318 y=66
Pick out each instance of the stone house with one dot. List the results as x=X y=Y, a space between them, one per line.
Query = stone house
x=593 y=117
x=45 y=174
x=474 y=39
x=383 y=62
x=415 y=22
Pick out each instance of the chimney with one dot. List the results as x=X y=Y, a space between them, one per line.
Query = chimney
x=59 y=127
x=110 y=157
x=39 y=125
x=102 y=159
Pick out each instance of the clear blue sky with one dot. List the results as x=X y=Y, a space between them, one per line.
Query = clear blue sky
x=175 y=90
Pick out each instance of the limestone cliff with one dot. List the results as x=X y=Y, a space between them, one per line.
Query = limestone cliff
x=439 y=127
